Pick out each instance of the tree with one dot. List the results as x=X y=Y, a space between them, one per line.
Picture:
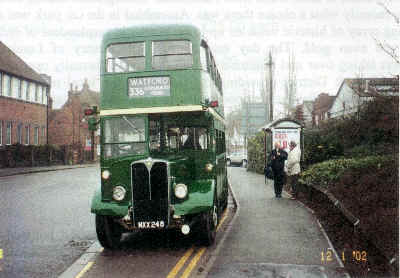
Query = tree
x=299 y=113
x=290 y=87
x=232 y=123
x=388 y=48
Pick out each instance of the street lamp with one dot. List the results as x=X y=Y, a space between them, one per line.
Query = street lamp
x=47 y=116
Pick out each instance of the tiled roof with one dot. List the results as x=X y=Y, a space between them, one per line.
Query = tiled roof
x=11 y=63
x=374 y=86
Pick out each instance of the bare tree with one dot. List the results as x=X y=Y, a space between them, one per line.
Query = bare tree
x=388 y=48
x=290 y=87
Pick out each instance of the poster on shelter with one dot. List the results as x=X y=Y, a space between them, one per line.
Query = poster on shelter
x=284 y=136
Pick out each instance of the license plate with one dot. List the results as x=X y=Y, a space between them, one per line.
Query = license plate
x=150 y=224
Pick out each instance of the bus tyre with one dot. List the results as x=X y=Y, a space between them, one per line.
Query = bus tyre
x=108 y=232
x=209 y=225
x=225 y=202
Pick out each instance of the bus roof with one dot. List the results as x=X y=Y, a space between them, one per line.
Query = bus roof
x=152 y=29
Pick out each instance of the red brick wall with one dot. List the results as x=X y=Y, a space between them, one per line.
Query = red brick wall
x=21 y=112
x=68 y=125
x=322 y=105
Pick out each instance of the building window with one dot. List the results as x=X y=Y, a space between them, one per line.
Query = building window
x=19 y=134
x=19 y=88
x=41 y=92
x=46 y=94
x=27 y=134
x=40 y=100
x=9 y=133
x=44 y=134
x=37 y=93
x=25 y=89
x=36 y=135
x=32 y=90
x=15 y=86
x=6 y=85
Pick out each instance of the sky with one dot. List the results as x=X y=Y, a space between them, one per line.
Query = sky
x=329 y=39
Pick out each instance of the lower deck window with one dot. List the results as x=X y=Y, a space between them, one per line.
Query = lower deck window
x=166 y=137
x=124 y=135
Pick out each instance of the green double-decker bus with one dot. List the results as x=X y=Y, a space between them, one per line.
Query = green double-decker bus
x=163 y=162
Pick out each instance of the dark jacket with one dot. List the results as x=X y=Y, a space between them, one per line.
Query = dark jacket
x=277 y=162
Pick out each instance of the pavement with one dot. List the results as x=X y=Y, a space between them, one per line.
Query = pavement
x=4 y=172
x=273 y=237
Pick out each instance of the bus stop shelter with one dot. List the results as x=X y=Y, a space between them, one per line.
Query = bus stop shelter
x=282 y=131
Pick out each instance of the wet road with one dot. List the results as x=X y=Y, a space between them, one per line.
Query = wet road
x=161 y=254
x=46 y=225
x=45 y=221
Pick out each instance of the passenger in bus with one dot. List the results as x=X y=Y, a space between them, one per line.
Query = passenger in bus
x=277 y=162
x=192 y=142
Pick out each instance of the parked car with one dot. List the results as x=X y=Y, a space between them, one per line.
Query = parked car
x=237 y=158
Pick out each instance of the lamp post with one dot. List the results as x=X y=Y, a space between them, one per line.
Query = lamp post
x=47 y=116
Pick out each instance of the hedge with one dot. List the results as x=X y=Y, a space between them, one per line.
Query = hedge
x=326 y=173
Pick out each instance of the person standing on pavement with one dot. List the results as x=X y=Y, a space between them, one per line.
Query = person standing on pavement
x=277 y=162
x=293 y=167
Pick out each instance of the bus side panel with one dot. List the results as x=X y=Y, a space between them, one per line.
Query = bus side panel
x=200 y=198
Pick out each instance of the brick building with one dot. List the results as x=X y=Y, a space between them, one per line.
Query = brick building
x=304 y=113
x=24 y=96
x=321 y=108
x=68 y=125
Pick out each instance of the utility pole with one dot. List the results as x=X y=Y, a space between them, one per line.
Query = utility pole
x=271 y=95
x=92 y=145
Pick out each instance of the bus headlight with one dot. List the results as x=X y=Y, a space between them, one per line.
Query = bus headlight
x=209 y=167
x=119 y=193
x=181 y=190
x=105 y=174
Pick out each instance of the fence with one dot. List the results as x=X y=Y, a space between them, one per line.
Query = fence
x=28 y=156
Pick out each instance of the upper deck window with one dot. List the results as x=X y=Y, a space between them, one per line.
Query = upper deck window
x=203 y=58
x=172 y=55
x=125 y=57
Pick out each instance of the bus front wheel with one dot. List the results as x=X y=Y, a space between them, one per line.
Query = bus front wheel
x=108 y=233
x=209 y=225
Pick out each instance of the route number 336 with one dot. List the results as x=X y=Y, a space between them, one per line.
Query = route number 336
x=136 y=92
